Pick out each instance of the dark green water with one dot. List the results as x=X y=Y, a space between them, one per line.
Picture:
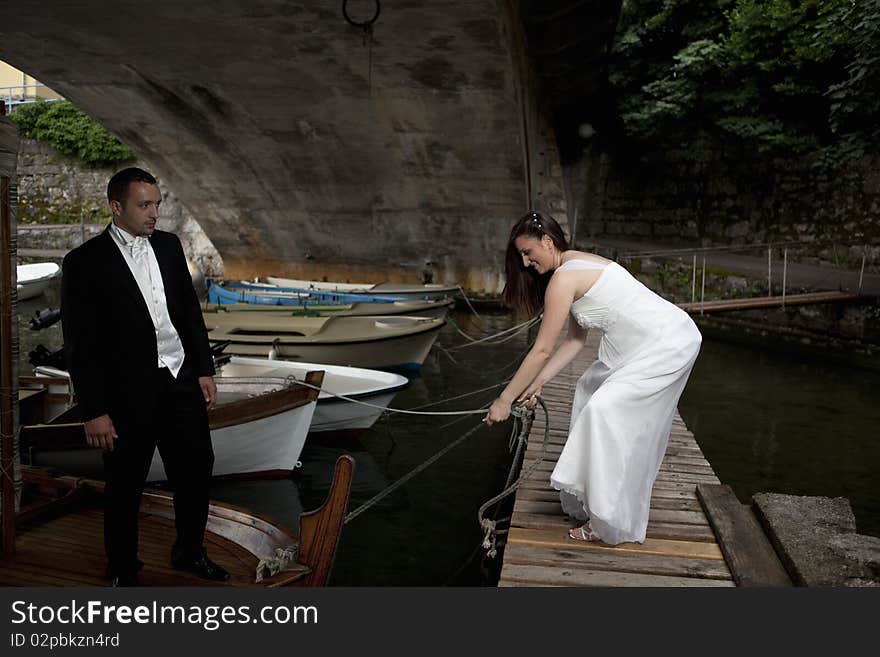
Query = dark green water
x=766 y=421
x=771 y=421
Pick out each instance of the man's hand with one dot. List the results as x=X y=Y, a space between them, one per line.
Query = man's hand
x=100 y=432
x=209 y=390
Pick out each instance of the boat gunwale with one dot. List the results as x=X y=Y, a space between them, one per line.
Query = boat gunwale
x=240 y=339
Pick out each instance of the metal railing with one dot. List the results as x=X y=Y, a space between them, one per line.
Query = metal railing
x=775 y=251
x=18 y=95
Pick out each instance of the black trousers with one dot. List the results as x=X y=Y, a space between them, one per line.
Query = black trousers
x=174 y=418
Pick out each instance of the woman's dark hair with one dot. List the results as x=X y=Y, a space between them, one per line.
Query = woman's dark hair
x=524 y=288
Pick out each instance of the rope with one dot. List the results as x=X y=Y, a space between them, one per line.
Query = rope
x=280 y=560
x=484 y=371
x=514 y=330
x=468 y=301
x=412 y=473
x=516 y=412
x=293 y=379
x=466 y=394
x=489 y=526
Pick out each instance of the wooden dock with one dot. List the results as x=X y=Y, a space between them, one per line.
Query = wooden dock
x=725 y=305
x=680 y=548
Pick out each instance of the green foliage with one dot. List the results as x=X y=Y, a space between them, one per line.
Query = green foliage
x=781 y=77
x=71 y=131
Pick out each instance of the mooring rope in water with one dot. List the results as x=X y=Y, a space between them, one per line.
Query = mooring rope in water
x=508 y=366
x=467 y=301
x=419 y=468
x=461 y=396
x=292 y=379
x=496 y=338
x=409 y=475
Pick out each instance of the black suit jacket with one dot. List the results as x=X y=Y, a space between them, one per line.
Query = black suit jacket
x=109 y=338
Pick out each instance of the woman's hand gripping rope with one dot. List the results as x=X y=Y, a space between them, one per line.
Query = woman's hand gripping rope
x=500 y=410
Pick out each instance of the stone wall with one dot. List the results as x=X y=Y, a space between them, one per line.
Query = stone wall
x=723 y=200
x=61 y=201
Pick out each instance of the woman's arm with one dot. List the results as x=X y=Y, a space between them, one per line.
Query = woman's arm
x=557 y=302
x=573 y=344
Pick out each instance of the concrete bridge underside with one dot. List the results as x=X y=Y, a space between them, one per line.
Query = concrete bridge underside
x=299 y=144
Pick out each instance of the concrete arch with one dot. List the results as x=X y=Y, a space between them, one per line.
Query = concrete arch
x=300 y=146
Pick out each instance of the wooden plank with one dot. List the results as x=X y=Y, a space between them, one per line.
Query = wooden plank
x=631 y=562
x=656 y=529
x=661 y=546
x=674 y=503
x=746 y=549
x=553 y=576
x=552 y=508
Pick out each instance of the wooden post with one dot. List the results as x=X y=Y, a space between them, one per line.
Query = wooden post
x=703 y=288
x=7 y=367
x=784 y=272
x=694 y=280
x=769 y=280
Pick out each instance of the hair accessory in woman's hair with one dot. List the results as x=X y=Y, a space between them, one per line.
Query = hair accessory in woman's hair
x=537 y=219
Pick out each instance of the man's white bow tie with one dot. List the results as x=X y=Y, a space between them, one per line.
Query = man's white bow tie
x=139 y=247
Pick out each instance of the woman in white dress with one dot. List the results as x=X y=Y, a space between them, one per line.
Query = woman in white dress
x=624 y=403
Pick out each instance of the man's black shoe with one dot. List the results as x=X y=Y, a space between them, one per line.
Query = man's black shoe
x=130 y=579
x=201 y=566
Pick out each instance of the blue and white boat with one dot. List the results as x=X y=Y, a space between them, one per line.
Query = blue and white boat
x=271 y=295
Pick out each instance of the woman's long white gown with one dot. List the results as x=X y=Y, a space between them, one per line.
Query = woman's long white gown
x=624 y=403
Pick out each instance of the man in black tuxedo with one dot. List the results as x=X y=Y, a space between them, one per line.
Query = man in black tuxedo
x=139 y=359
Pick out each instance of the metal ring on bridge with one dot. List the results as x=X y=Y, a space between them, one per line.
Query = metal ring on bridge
x=365 y=24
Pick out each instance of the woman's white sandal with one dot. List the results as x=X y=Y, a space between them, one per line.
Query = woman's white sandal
x=584 y=533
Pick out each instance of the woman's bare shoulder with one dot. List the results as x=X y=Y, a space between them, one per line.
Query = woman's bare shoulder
x=583 y=255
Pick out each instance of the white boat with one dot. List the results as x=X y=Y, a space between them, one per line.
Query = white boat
x=258 y=427
x=396 y=342
x=332 y=415
x=33 y=279
x=417 y=291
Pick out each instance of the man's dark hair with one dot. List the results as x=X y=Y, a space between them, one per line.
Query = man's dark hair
x=117 y=188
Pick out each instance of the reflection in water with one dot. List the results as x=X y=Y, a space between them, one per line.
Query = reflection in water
x=774 y=422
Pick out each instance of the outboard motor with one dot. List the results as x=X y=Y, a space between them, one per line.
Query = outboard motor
x=45 y=318
x=42 y=356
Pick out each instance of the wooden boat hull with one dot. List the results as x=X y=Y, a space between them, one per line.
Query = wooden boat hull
x=270 y=443
x=332 y=414
x=400 y=342
x=59 y=537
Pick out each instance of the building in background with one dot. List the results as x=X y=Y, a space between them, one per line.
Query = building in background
x=17 y=87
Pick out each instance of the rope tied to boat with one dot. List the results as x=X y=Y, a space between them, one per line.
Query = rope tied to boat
x=292 y=379
x=496 y=338
x=409 y=475
x=281 y=560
